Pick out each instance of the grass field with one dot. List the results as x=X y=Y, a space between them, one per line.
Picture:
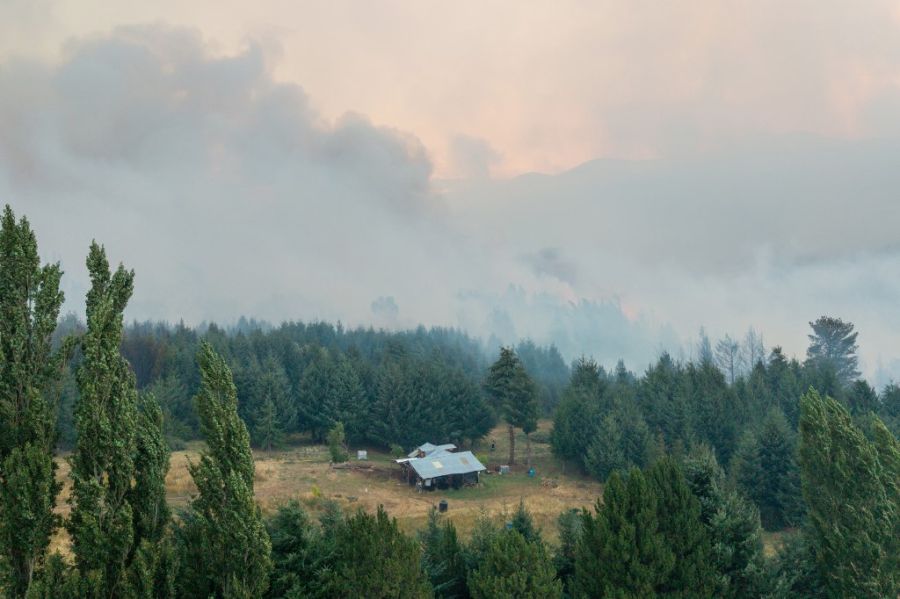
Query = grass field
x=303 y=473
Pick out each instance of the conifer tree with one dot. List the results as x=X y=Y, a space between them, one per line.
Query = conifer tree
x=713 y=407
x=765 y=468
x=223 y=545
x=778 y=491
x=849 y=487
x=744 y=467
x=443 y=558
x=267 y=430
x=621 y=440
x=577 y=417
x=171 y=394
x=483 y=532
x=317 y=411
x=296 y=555
x=732 y=524
x=663 y=400
x=833 y=345
x=274 y=414
x=523 y=522
x=350 y=398
x=569 y=524
x=605 y=453
x=678 y=513
x=621 y=551
x=371 y=557
x=638 y=445
x=861 y=398
x=119 y=463
x=512 y=394
x=513 y=567
x=737 y=550
x=30 y=300
x=469 y=417
x=398 y=414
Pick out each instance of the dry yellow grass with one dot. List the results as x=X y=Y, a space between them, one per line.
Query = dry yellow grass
x=60 y=540
x=304 y=473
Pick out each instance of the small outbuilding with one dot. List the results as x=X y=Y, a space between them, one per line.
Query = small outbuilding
x=440 y=466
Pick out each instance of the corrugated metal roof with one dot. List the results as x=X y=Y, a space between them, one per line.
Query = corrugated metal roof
x=426 y=447
x=431 y=449
x=445 y=464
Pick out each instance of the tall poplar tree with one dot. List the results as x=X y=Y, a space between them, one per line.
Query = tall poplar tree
x=850 y=487
x=223 y=544
x=513 y=395
x=152 y=571
x=30 y=300
x=120 y=460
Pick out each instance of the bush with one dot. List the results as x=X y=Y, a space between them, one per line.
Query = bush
x=336 y=444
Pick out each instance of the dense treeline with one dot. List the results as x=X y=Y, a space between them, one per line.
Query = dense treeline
x=805 y=445
x=609 y=421
x=385 y=388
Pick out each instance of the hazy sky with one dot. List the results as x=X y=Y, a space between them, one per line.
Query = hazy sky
x=702 y=163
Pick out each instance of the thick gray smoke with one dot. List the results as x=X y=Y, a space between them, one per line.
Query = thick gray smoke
x=772 y=234
x=222 y=188
x=229 y=194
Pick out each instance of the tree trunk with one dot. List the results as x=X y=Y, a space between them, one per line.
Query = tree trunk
x=528 y=449
x=512 y=445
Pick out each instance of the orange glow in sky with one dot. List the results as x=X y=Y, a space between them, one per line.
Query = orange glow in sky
x=546 y=86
